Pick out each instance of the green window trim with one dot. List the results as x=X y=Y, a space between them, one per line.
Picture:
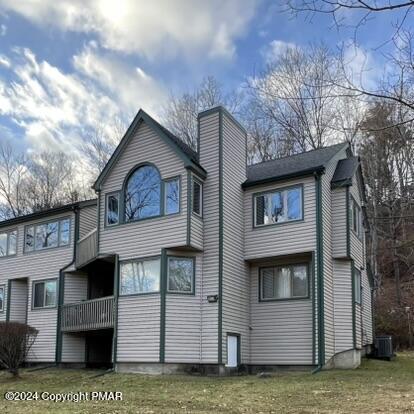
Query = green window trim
x=44 y=282
x=290 y=266
x=117 y=195
x=8 y=234
x=283 y=191
x=193 y=271
x=198 y=212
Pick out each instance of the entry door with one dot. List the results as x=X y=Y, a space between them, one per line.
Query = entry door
x=232 y=351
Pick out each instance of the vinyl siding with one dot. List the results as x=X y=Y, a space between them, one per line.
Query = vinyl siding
x=183 y=320
x=236 y=279
x=197 y=232
x=327 y=220
x=209 y=159
x=87 y=220
x=76 y=287
x=73 y=347
x=366 y=311
x=357 y=244
x=343 y=305
x=358 y=325
x=138 y=328
x=339 y=222
x=142 y=238
x=281 y=331
x=281 y=239
x=18 y=300
x=39 y=265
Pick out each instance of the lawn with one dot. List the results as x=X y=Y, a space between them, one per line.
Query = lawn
x=375 y=387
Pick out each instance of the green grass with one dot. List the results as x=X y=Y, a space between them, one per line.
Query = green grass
x=375 y=387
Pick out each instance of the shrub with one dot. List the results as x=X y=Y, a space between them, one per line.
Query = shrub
x=16 y=339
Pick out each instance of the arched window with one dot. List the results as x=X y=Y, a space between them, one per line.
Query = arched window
x=143 y=194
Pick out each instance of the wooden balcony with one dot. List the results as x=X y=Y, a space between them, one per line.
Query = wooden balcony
x=86 y=249
x=88 y=315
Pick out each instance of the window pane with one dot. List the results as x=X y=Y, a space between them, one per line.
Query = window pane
x=260 y=210
x=294 y=204
x=300 y=280
x=64 y=232
x=41 y=237
x=268 y=284
x=12 y=242
x=172 y=194
x=180 y=275
x=276 y=209
x=50 y=293
x=112 y=210
x=140 y=277
x=196 y=197
x=357 y=286
x=29 y=239
x=1 y=298
x=142 y=198
x=52 y=234
x=39 y=295
x=3 y=244
x=282 y=288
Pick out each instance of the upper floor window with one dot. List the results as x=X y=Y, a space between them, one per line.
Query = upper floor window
x=143 y=194
x=197 y=198
x=355 y=212
x=140 y=276
x=45 y=293
x=357 y=285
x=47 y=235
x=112 y=209
x=172 y=196
x=278 y=206
x=1 y=298
x=8 y=243
x=284 y=282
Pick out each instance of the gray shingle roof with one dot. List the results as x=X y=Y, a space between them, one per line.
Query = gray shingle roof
x=345 y=170
x=288 y=167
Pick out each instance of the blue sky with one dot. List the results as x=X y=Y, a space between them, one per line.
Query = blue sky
x=68 y=67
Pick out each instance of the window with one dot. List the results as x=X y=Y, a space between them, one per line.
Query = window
x=140 y=276
x=45 y=294
x=47 y=235
x=172 y=196
x=197 y=198
x=284 y=282
x=143 y=194
x=8 y=243
x=278 y=206
x=180 y=275
x=355 y=212
x=112 y=209
x=357 y=285
x=1 y=298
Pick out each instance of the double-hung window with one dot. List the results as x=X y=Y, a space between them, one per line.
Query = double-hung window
x=284 y=282
x=197 y=198
x=47 y=235
x=140 y=276
x=8 y=243
x=180 y=275
x=278 y=206
x=1 y=298
x=44 y=294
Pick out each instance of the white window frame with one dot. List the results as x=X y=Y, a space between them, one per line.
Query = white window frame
x=117 y=195
x=44 y=281
x=7 y=233
x=194 y=180
x=284 y=193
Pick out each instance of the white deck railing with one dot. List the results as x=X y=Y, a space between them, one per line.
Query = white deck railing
x=88 y=315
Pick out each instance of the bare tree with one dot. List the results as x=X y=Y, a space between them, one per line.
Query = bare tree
x=13 y=201
x=180 y=115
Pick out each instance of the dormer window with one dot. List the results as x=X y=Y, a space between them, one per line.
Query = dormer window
x=143 y=194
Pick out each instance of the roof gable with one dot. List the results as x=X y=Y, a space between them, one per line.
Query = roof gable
x=189 y=156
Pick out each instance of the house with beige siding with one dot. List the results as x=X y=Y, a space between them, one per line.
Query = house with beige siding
x=192 y=260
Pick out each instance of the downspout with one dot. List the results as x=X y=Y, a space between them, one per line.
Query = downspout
x=319 y=274
x=58 y=352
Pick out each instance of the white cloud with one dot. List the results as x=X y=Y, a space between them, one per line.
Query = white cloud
x=3 y=30
x=153 y=29
x=56 y=109
x=275 y=49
